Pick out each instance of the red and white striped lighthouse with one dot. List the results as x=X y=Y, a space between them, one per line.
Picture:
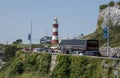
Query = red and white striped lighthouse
x=55 y=31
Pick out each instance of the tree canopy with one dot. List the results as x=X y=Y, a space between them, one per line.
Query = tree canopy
x=18 y=41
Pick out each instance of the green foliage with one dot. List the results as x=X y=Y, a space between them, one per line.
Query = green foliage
x=9 y=52
x=84 y=67
x=77 y=67
x=111 y=3
x=1 y=47
x=18 y=41
x=114 y=35
x=98 y=34
x=44 y=63
x=62 y=70
x=26 y=62
x=31 y=74
x=119 y=3
x=19 y=68
x=37 y=65
x=114 y=30
x=13 y=68
x=38 y=62
x=103 y=6
x=18 y=53
x=100 y=21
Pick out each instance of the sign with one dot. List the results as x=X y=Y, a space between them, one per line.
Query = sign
x=29 y=36
x=106 y=32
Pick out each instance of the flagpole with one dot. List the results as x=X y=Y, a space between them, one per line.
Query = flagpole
x=108 y=30
x=108 y=43
x=31 y=38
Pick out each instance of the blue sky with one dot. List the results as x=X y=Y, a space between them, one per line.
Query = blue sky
x=74 y=17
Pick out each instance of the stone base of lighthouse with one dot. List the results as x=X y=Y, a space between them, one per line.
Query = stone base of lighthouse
x=55 y=42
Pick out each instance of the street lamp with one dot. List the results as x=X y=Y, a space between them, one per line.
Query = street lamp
x=106 y=36
x=30 y=37
x=108 y=30
x=106 y=33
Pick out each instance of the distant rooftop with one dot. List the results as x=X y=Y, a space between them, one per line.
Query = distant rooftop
x=73 y=42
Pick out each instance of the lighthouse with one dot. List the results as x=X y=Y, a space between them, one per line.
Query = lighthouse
x=55 y=31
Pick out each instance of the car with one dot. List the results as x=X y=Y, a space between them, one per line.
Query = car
x=78 y=53
x=74 y=53
x=38 y=49
x=92 y=53
x=115 y=56
x=81 y=54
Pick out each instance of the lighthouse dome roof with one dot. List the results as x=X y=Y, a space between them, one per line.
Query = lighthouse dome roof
x=55 y=20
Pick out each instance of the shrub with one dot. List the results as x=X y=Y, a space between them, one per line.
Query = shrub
x=111 y=3
x=44 y=63
x=106 y=5
x=119 y=3
x=100 y=22
x=62 y=69
x=103 y=6
x=25 y=62
x=67 y=66
x=9 y=52
x=83 y=67
x=19 y=68
x=18 y=53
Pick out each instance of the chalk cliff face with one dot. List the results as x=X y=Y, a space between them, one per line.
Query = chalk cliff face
x=111 y=13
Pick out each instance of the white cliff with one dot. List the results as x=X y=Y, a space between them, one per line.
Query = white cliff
x=112 y=13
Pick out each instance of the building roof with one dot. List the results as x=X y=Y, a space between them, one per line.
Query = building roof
x=73 y=42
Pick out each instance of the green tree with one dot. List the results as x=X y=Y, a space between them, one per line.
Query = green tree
x=103 y=6
x=9 y=52
x=119 y=3
x=19 y=68
x=18 y=41
x=1 y=47
x=111 y=3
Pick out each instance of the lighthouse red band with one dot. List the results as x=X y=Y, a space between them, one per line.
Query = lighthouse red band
x=55 y=31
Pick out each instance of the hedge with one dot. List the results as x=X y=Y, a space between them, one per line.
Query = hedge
x=84 y=67
x=29 y=62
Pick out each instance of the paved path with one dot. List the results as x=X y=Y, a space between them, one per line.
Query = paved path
x=53 y=62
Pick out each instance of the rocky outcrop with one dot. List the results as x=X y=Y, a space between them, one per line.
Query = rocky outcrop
x=112 y=51
x=111 y=13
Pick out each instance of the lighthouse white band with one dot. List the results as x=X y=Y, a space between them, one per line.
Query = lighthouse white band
x=54 y=37
x=55 y=29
